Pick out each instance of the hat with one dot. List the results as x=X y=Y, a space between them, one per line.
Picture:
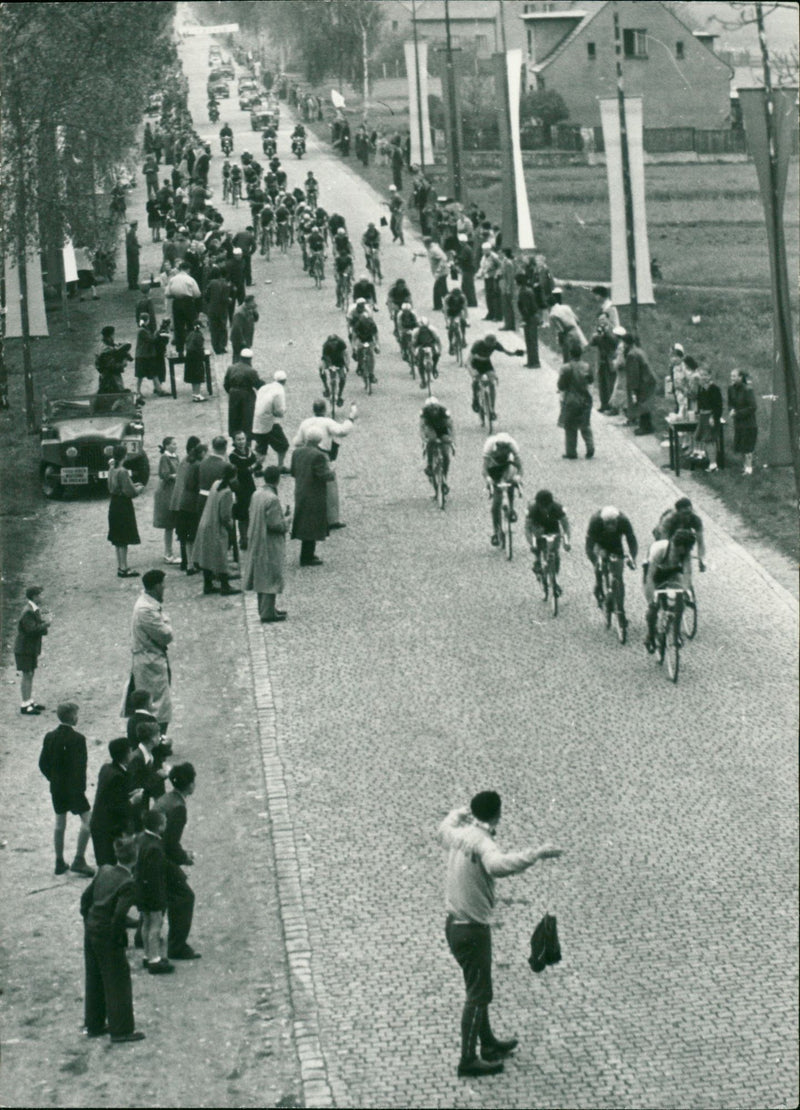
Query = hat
x=462 y=238
x=279 y=376
x=488 y=247
x=245 y=353
x=392 y=188
x=677 y=347
x=237 y=250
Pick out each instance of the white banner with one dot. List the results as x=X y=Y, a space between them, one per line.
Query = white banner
x=524 y=228
x=416 y=107
x=620 y=284
x=193 y=29
x=37 y=317
x=70 y=265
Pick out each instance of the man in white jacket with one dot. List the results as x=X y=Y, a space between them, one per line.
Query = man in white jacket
x=270 y=408
x=473 y=864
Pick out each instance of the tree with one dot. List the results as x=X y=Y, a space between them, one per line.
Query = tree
x=546 y=107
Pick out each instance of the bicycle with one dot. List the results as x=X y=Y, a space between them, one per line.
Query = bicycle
x=332 y=380
x=266 y=241
x=669 y=641
x=405 y=349
x=365 y=362
x=236 y=193
x=485 y=402
x=547 y=574
x=455 y=335
x=425 y=367
x=315 y=268
x=612 y=603
x=374 y=265
x=344 y=284
x=689 y=614
x=437 y=472
x=508 y=516
x=283 y=237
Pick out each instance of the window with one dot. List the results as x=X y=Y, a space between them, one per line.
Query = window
x=634 y=43
x=481 y=43
x=679 y=51
x=591 y=50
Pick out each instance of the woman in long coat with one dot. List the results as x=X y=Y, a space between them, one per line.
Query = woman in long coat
x=185 y=499
x=214 y=534
x=311 y=472
x=744 y=408
x=163 y=516
x=266 y=547
x=149 y=362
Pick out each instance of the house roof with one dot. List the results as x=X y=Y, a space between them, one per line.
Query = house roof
x=588 y=13
x=429 y=11
x=567 y=13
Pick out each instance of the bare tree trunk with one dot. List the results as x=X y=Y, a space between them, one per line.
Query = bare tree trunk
x=365 y=66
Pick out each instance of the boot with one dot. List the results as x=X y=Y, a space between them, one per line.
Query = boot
x=225 y=586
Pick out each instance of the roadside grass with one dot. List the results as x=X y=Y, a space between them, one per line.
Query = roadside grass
x=706 y=227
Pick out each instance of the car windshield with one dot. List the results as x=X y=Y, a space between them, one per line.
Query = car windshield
x=94 y=404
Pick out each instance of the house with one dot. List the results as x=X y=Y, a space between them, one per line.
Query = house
x=475 y=25
x=570 y=50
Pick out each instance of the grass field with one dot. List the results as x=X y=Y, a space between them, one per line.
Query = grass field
x=706 y=227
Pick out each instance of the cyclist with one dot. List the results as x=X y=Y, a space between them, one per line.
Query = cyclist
x=343 y=268
x=501 y=463
x=371 y=242
x=398 y=295
x=668 y=564
x=315 y=244
x=683 y=516
x=266 y=220
x=546 y=517
x=436 y=431
x=604 y=535
x=359 y=308
x=341 y=242
x=480 y=364
x=363 y=329
x=283 y=220
x=236 y=182
x=226 y=179
x=271 y=185
x=364 y=289
x=426 y=336
x=280 y=174
x=407 y=321
x=455 y=308
x=396 y=214
x=257 y=198
x=304 y=229
x=334 y=353
x=312 y=189
x=335 y=222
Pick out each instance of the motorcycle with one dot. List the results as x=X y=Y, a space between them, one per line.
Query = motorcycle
x=268 y=146
x=298 y=146
x=213 y=111
x=227 y=144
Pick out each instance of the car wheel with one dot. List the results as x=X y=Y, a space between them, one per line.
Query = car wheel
x=51 y=483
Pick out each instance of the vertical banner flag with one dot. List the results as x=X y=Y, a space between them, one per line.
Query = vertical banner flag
x=70 y=264
x=754 y=109
x=417 y=68
x=517 y=230
x=612 y=139
x=37 y=317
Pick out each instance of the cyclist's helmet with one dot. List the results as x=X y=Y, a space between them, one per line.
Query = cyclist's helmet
x=609 y=514
x=544 y=498
x=430 y=403
x=341 y=231
x=361 y=300
x=490 y=340
x=406 y=307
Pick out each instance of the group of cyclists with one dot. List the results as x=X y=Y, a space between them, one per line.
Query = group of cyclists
x=285 y=217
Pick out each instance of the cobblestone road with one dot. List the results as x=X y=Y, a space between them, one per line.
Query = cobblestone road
x=417 y=666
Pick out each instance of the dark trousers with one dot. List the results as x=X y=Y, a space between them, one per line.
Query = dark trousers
x=468 y=288
x=493 y=306
x=307 y=550
x=132 y=267
x=439 y=292
x=606 y=377
x=508 y=311
x=471 y=945
x=571 y=439
x=531 y=332
x=397 y=175
x=109 y=996
x=183 y=317
x=103 y=846
x=218 y=331
x=180 y=910
x=248 y=269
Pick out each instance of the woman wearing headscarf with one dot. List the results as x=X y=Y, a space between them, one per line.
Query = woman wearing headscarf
x=215 y=533
x=266 y=547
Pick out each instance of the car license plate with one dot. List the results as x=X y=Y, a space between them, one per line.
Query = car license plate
x=102 y=474
x=74 y=475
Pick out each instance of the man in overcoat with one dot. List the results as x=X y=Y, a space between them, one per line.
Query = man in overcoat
x=151 y=632
x=266 y=547
x=311 y=472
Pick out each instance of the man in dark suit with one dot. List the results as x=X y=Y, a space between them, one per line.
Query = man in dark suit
x=63 y=764
x=146 y=768
x=33 y=625
x=180 y=896
x=114 y=802
x=104 y=908
x=311 y=472
x=213 y=466
x=151 y=892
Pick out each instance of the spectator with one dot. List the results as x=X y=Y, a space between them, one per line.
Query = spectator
x=151 y=633
x=465 y=260
x=709 y=417
x=440 y=268
x=266 y=547
x=246 y=242
x=565 y=322
x=241 y=384
x=474 y=862
x=86 y=278
x=194 y=365
x=132 y=249
x=743 y=407
x=31 y=627
x=396 y=157
x=104 y=907
x=145 y=307
x=506 y=280
x=122 y=530
x=218 y=301
x=602 y=295
x=63 y=764
x=619 y=400
x=270 y=407
x=150 y=348
x=114 y=803
x=180 y=896
x=141 y=710
x=245 y=462
x=215 y=533
x=576 y=405
x=185 y=497
x=243 y=325
x=184 y=293
x=311 y=472
x=640 y=382
x=529 y=313
x=236 y=276
x=606 y=343
x=489 y=271
x=146 y=767
x=163 y=515
x=212 y=467
x=151 y=892
x=332 y=434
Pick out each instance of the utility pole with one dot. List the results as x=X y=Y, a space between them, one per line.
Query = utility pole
x=626 y=175
x=419 y=86
x=452 y=111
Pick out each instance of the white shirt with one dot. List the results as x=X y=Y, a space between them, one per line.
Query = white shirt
x=270 y=407
x=499 y=437
x=183 y=285
x=330 y=429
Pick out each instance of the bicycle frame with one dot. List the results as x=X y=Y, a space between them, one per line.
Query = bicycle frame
x=671 y=601
x=485 y=401
x=611 y=570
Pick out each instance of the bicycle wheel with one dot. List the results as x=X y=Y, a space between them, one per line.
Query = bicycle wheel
x=509 y=531
x=622 y=625
x=608 y=604
x=369 y=365
x=552 y=588
x=673 y=648
x=689 y=616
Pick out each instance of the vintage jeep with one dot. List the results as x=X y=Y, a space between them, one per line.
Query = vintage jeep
x=261 y=117
x=78 y=437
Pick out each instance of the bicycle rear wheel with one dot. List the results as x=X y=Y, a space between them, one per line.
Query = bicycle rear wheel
x=673 y=649
x=552 y=587
x=622 y=625
x=608 y=604
x=689 y=617
x=438 y=480
x=509 y=532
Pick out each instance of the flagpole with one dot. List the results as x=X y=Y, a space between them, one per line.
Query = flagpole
x=626 y=175
x=419 y=86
